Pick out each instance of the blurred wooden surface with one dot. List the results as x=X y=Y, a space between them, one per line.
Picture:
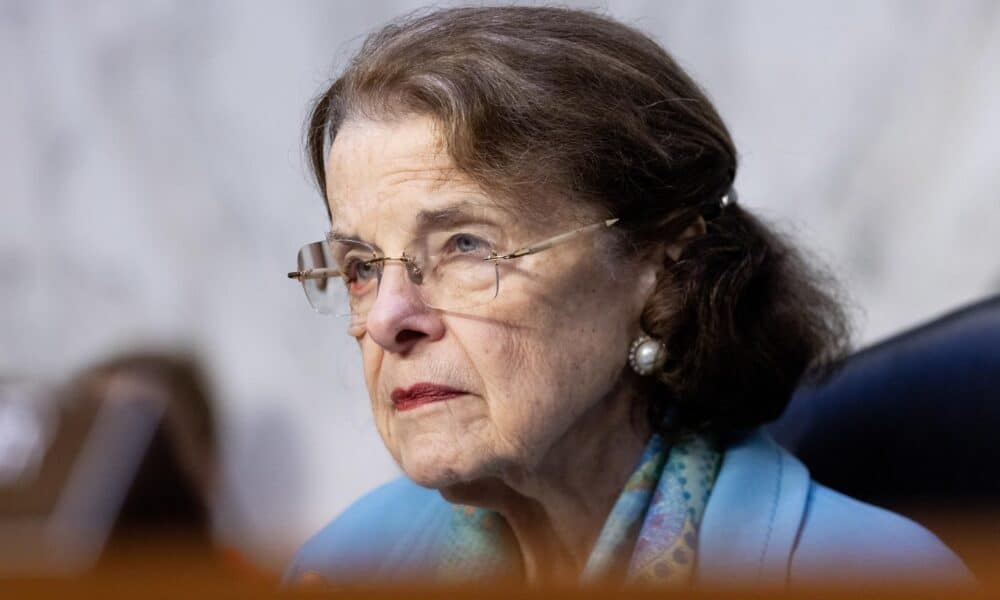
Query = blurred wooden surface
x=173 y=568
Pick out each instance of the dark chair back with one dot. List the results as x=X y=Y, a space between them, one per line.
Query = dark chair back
x=912 y=424
x=914 y=417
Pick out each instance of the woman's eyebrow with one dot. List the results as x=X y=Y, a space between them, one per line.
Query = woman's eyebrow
x=452 y=215
x=341 y=235
x=459 y=213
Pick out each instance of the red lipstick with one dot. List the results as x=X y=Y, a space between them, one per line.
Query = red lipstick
x=420 y=394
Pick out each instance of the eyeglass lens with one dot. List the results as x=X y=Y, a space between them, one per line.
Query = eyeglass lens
x=449 y=270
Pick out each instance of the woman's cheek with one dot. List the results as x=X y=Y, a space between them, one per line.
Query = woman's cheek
x=384 y=423
x=525 y=403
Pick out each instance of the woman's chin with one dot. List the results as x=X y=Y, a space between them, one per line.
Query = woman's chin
x=440 y=470
x=432 y=476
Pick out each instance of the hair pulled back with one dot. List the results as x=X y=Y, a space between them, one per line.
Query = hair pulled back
x=532 y=97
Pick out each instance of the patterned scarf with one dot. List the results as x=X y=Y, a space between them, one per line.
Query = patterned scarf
x=651 y=534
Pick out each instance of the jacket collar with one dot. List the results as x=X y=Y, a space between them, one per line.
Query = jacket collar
x=754 y=513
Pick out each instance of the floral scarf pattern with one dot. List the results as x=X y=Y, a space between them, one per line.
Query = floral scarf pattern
x=651 y=534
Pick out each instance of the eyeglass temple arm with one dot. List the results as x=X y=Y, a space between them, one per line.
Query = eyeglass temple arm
x=554 y=241
x=314 y=274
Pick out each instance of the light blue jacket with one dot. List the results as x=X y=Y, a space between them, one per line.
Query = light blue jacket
x=766 y=522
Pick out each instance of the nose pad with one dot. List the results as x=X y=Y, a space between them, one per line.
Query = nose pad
x=415 y=273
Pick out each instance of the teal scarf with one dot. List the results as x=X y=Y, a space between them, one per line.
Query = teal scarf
x=650 y=535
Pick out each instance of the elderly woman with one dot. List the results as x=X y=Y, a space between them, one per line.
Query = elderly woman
x=570 y=328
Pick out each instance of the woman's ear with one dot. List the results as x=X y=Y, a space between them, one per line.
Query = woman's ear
x=649 y=272
x=694 y=230
x=652 y=265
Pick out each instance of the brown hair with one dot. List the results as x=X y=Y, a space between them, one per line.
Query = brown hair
x=530 y=96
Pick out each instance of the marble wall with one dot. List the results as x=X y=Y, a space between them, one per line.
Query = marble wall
x=152 y=191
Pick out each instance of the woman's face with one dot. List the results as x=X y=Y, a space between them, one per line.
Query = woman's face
x=528 y=364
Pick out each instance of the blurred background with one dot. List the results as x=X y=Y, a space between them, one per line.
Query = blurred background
x=154 y=195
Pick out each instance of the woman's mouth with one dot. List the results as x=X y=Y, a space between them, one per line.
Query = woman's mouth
x=422 y=393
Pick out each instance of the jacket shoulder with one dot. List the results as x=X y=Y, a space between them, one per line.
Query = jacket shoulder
x=844 y=537
x=392 y=531
x=768 y=522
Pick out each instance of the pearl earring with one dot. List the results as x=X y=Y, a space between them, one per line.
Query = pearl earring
x=646 y=354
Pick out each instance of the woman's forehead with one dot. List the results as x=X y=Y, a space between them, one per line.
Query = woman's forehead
x=411 y=204
x=396 y=177
x=398 y=174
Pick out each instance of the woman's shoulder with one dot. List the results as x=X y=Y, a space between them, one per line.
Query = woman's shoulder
x=768 y=521
x=842 y=535
x=396 y=526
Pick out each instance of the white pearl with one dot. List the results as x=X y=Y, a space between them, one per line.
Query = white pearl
x=647 y=355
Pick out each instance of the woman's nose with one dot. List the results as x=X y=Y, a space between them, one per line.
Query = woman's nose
x=399 y=319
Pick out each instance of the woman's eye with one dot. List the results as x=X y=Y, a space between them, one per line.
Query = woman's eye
x=366 y=270
x=465 y=243
x=359 y=270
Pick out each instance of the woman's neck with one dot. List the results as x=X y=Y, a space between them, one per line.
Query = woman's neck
x=558 y=508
